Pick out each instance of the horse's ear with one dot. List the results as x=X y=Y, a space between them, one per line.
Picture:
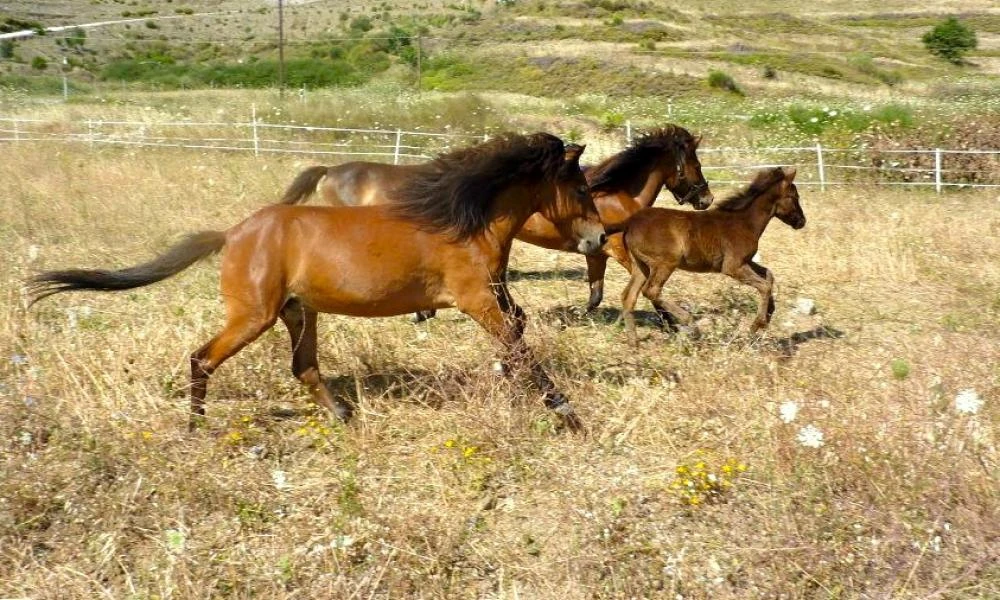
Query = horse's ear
x=790 y=173
x=697 y=141
x=573 y=152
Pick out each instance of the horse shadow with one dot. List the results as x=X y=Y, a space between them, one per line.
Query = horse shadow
x=576 y=316
x=536 y=275
x=786 y=347
x=414 y=386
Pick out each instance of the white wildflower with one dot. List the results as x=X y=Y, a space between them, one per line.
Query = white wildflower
x=788 y=409
x=280 y=479
x=814 y=120
x=968 y=402
x=810 y=436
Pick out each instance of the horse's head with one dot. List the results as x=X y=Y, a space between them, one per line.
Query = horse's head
x=572 y=209
x=685 y=180
x=787 y=207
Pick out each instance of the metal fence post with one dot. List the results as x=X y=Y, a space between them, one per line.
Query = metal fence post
x=937 y=170
x=628 y=132
x=395 y=154
x=90 y=132
x=820 y=168
x=17 y=133
x=253 y=125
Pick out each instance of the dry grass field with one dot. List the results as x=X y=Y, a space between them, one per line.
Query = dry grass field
x=694 y=479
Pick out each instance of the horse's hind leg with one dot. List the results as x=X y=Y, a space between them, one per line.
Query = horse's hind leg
x=422 y=315
x=761 y=279
x=301 y=323
x=629 y=298
x=241 y=328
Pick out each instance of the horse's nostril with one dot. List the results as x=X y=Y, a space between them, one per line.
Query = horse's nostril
x=601 y=240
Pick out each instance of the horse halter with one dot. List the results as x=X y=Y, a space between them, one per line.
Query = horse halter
x=695 y=189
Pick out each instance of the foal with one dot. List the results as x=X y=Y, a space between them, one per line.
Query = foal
x=721 y=240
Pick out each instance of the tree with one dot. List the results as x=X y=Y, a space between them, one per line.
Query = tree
x=950 y=40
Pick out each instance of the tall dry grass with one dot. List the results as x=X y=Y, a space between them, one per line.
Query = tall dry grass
x=451 y=483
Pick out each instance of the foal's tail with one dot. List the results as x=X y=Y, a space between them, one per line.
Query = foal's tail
x=303 y=185
x=179 y=257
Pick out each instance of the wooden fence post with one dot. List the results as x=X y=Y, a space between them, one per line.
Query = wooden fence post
x=253 y=125
x=937 y=170
x=820 y=168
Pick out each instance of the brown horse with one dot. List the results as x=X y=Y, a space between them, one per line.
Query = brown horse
x=721 y=240
x=443 y=241
x=622 y=184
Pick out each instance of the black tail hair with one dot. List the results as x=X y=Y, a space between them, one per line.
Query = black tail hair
x=193 y=248
x=303 y=185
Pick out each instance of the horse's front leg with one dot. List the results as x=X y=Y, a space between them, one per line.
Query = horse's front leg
x=596 y=266
x=761 y=279
x=498 y=314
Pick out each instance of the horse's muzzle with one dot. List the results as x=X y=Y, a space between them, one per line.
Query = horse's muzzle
x=592 y=240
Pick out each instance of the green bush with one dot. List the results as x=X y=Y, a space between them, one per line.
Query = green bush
x=723 y=81
x=950 y=40
x=39 y=63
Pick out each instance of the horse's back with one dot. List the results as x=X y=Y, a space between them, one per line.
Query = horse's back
x=362 y=183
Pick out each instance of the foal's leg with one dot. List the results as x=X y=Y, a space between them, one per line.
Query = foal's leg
x=667 y=310
x=761 y=280
x=498 y=314
x=243 y=325
x=301 y=323
x=629 y=298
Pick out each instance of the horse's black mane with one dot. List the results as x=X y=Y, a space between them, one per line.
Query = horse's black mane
x=760 y=184
x=618 y=170
x=455 y=191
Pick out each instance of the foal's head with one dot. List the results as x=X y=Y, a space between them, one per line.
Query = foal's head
x=572 y=209
x=787 y=207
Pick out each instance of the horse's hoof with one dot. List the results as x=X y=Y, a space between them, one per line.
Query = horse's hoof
x=343 y=411
x=569 y=417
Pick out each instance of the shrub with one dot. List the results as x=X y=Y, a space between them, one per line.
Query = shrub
x=950 y=40
x=723 y=81
x=39 y=63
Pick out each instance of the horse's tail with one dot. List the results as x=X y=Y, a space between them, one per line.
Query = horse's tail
x=179 y=257
x=303 y=185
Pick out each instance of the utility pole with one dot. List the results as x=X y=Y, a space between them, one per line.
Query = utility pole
x=281 y=49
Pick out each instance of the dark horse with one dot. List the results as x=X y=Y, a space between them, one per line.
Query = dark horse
x=721 y=240
x=443 y=241
x=621 y=184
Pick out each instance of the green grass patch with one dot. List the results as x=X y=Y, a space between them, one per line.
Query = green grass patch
x=40 y=84
x=814 y=120
x=556 y=77
x=256 y=74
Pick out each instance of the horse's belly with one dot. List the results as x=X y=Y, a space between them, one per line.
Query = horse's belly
x=372 y=298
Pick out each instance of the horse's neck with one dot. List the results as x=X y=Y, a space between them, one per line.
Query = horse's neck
x=511 y=211
x=655 y=179
x=760 y=212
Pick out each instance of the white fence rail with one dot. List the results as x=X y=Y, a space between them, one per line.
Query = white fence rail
x=818 y=165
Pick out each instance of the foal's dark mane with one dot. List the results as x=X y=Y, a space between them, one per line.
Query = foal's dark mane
x=745 y=197
x=622 y=167
x=456 y=191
